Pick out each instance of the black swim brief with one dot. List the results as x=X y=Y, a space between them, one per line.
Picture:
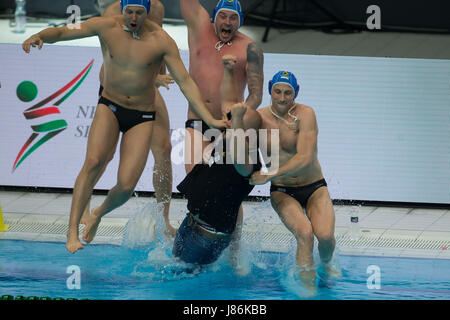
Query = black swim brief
x=301 y=194
x=100 y=91
x=197 y=124
x=127 y=118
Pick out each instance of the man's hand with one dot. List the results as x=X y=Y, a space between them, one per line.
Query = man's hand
x=218 y=124
x=164 y=80
x=259 y=178
x=238 y=110
x=32 y=41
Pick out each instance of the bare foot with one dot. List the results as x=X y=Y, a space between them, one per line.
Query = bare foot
x=92 y=223
x=308 y=278
x=229 y=61
x=86 y=213
x=333 y=271
x=240 y=269
x=73 y=244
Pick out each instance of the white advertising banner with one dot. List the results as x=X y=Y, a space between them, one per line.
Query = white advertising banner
x=384 y=124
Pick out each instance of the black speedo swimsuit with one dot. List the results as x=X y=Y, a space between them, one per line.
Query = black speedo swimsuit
x=195 y=124
x=301 y=194
x=200 y=125
x=127 y=118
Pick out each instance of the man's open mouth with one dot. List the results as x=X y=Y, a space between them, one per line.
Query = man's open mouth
x=226 y=32
x=133 y=25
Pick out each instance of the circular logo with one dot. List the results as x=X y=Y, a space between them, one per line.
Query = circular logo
x=26 y=91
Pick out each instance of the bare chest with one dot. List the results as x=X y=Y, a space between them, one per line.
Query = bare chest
x=280 y=136
x=209 y=52
x=124 y=51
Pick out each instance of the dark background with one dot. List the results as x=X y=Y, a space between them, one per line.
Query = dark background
x=396 y=15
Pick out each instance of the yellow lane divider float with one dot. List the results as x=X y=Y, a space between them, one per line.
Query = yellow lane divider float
x=3 y=226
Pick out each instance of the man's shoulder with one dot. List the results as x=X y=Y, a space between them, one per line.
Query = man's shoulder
x=104 y=22
x=155 y=29
x=244 y=38
x=158 y=33
x=250 y=46
x=152 y=25
x=305 y=108
x=111 y=19
x=305 y=112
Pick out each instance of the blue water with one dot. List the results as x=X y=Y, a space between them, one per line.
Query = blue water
x=118 y=272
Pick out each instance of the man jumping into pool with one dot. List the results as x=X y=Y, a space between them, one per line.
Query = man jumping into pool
x=135 y=49
x=160 y=145
x=298 y=183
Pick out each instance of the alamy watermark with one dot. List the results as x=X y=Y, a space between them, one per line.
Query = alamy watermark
x=374 y=20
x=374 y=280
x=74 y=21
x=241 y=147
x=74 y=280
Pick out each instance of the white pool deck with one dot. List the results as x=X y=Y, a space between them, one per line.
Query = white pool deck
x=385 y=231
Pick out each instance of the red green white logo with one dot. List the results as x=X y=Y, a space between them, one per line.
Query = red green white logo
x=27 y=91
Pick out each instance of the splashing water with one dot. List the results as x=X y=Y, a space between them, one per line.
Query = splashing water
x=141 y=228
x=290 y=272
x=145 y=231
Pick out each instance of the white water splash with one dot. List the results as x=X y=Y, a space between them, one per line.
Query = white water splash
x=141 y=229
x=146 y=230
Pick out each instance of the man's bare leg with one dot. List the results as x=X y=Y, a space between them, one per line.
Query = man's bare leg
x=134 y=150
x=87 y=209
x=161 y=149
x=321 y=213
x=103 y=136
x=235 y=246
x=291 y=214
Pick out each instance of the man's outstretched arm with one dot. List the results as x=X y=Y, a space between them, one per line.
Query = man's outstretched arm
x=187 y=85
x=88 y=28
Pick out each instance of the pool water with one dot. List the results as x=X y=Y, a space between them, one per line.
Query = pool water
x=120 y=272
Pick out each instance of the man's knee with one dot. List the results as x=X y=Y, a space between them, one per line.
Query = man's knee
x=304 y=235
x=94 y=164
x=162 y=149
x=126 y=186
x=281 y=205
x=325 y=237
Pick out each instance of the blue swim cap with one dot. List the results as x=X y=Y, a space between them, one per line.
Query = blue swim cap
x=229 y=5
x=143 y=3
x=284 y=77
